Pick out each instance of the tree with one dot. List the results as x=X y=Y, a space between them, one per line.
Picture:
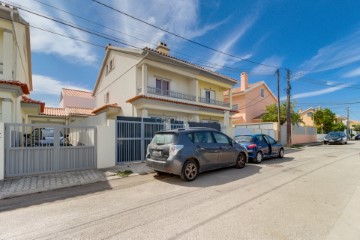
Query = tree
x=356 y=127
x=324 y=120
x=338 y=127
x=271 y=114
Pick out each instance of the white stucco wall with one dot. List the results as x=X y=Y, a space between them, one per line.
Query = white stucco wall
x=106 y=146
x=120 y=82
x=2 y=151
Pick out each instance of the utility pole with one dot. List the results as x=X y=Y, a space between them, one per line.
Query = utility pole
x=348 y=121
x=278 y=104
x=288 y=115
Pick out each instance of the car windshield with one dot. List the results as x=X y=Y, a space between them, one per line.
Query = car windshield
x=163 y=138
x=243 y=138
x=333 y=134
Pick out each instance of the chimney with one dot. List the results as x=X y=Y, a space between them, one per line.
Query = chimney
x=244 y=81
x=162 y=48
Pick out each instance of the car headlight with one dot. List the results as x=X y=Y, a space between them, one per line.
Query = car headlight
x=339 y=139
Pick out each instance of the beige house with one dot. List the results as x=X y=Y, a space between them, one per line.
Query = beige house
x=15 y=66
x=306 y=117
x=151 y=83
x=250 y=100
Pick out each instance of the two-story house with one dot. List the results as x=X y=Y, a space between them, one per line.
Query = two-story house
x=15 y=66
x=307 y=117
x=250 y=100
x=151 y=83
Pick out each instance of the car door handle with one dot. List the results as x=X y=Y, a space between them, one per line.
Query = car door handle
x=200 y=148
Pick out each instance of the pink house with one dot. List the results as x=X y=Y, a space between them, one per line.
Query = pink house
x=250 y=100
x=76 y=98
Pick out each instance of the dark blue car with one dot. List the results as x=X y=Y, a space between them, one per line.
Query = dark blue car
x=260 y=146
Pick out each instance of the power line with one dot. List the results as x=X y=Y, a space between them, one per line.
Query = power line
x=184 y=38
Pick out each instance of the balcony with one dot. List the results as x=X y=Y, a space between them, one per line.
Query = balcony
x=162 y=92
x=214 y=102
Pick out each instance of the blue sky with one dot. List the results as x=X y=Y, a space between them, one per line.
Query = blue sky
x=317 y=40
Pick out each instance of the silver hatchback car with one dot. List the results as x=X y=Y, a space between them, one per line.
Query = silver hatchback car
x=187 y=152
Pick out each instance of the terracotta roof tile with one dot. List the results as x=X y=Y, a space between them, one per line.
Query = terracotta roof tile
x=29 y=100
x=189 y=63
x=114 y=105
x=77 y=93
x=63 y=112
x=50 y=111
x=23 y=86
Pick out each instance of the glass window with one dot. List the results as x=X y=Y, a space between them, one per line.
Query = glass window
x=270 y=139
x=221 y=138
x=162 y=87
x=244 y=138
x=163 y=138
x=203 y=137
x=262 y=92
x=190 y=136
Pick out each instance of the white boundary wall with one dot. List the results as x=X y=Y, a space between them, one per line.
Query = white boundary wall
x=2 y=151
x=106 y=152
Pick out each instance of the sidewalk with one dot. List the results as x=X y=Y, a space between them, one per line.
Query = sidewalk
x=14 y=187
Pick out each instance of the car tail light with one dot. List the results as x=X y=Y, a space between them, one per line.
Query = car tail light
x=174 y=149
x=251 y=146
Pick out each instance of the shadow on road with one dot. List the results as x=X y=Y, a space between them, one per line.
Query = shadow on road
x=52 y=196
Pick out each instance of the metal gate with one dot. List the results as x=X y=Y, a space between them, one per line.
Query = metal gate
x=38 y=149
x=133 y=134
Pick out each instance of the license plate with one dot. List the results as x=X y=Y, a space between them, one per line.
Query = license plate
x=157 y=153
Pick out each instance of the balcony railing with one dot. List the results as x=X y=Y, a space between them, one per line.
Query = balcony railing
x=213 y=102
x=163 y=92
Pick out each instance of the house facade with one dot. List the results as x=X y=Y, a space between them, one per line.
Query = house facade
x=249 y=100
x=15 y=66
x=307 y=117
x=151 y=83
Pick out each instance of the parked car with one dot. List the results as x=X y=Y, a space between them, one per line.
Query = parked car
x=44 y=137
x=261 y=146
x=187 y=152
x=335 y=137
x=357 y=137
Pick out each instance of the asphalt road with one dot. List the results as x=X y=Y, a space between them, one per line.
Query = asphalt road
x=310 y=194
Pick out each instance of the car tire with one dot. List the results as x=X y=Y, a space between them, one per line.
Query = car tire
x=281 y=153
x=258 y=158
x=189 y=171
x=240 y=161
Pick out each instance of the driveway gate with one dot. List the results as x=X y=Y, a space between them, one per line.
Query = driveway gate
x=37 y=149
x=133 y=134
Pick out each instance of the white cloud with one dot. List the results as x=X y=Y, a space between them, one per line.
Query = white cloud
x=318 y=93
x=46 y=89
x=44 y=42
x=181 y=17
x=219 y=59
x=264 y=70
x=352 y=73
x=338 y=54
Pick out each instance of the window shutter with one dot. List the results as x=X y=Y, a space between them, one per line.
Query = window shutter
x=212 y=95
x=203 y=93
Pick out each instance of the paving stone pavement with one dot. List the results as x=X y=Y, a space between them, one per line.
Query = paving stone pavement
x=13 y=187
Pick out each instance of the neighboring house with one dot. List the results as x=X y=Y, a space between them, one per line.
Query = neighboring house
x=151 y=83
x=250 y=100
x=307 y=117
x=15 y=67
x=74 y=98
x=74 y=105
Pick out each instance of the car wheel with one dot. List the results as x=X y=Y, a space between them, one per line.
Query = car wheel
x=258 y=157
x=240 y=161
x=281 y=153
x=189 y=171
